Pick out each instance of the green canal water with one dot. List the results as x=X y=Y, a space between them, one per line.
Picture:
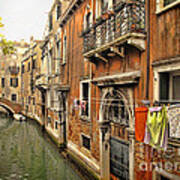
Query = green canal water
x=27 y=154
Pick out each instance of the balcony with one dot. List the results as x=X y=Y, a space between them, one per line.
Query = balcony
x=126 y=24
x=41 y=82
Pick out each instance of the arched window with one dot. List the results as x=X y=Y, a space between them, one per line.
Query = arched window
x=115 y=108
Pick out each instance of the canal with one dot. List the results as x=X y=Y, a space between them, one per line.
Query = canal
x=27 y=154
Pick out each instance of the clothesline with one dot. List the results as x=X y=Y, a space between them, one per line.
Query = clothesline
x=135 y=99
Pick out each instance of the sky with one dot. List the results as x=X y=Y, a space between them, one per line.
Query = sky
x=24 y=18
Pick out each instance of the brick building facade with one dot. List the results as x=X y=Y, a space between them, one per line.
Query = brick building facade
x=97 y=62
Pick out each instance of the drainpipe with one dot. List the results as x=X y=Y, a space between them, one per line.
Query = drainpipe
x=148 y=49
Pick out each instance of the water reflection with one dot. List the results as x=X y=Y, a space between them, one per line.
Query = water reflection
x=26 y=155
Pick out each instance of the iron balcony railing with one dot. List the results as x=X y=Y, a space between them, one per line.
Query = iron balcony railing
x=126 y=18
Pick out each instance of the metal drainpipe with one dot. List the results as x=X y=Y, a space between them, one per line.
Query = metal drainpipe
x=148 y=49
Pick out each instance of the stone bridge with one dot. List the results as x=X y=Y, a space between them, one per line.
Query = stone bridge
x=11 y=107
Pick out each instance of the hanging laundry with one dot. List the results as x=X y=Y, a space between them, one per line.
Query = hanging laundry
x=140 y=122
x=83 y=107
x=174 y=121
x=156 y=133
x=76 y=104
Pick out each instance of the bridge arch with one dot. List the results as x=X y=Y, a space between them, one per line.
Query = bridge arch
x=11 y=107
x=7 y=108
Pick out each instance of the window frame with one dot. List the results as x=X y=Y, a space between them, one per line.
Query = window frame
x=64 y=58
x=58 y=56
x=29 y=66
x=23 y=69
x=160 y=7
x=82 y=144
x=85 y=117
x=50 y=22
x=14 y=97
x=3 y=82
x=14 y=82
x=172 y=69
x=58 y=11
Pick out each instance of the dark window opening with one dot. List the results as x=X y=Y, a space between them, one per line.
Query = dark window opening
x=164 y=178
x=50 y=23
x=14 y=97
x=58 y=11
x=164 y=86
x=11 y=82
x=85 y=99
x=167 y=2
x=88 y=20
x=29 y=99
x=23 y=69
x=169 y=87
x=34 y=101
x=56 y=125
x=86 y=142
x=29 y=66
x=33 y=64
x=176 y=87
x=3 y=82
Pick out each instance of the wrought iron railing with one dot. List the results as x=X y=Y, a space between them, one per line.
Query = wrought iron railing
x=126 y=18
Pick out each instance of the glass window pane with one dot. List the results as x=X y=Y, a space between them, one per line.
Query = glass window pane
x=176 y=87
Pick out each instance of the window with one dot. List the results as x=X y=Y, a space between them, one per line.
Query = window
x=33 y=64
x=169 y=86
x=85 y=99
x=14 y=82
x=115 y=109
x=176 y=87
x=86 y=142
x=167 y=2
x=29 y=66
x=88 y=20
x=64 y=48
x=48 y=99
x=23 y=68
x=50 y=61
x=29 y=99
x=50 y=22
x=56 y=125
x=164 y=178
x=11 y=82
x=58 y=11
x=160 y=4
x=3 y=82
x=34 y=101
x=14 y=97
x=58 y=50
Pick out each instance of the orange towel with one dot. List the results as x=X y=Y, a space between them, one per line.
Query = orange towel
x=140 y=122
